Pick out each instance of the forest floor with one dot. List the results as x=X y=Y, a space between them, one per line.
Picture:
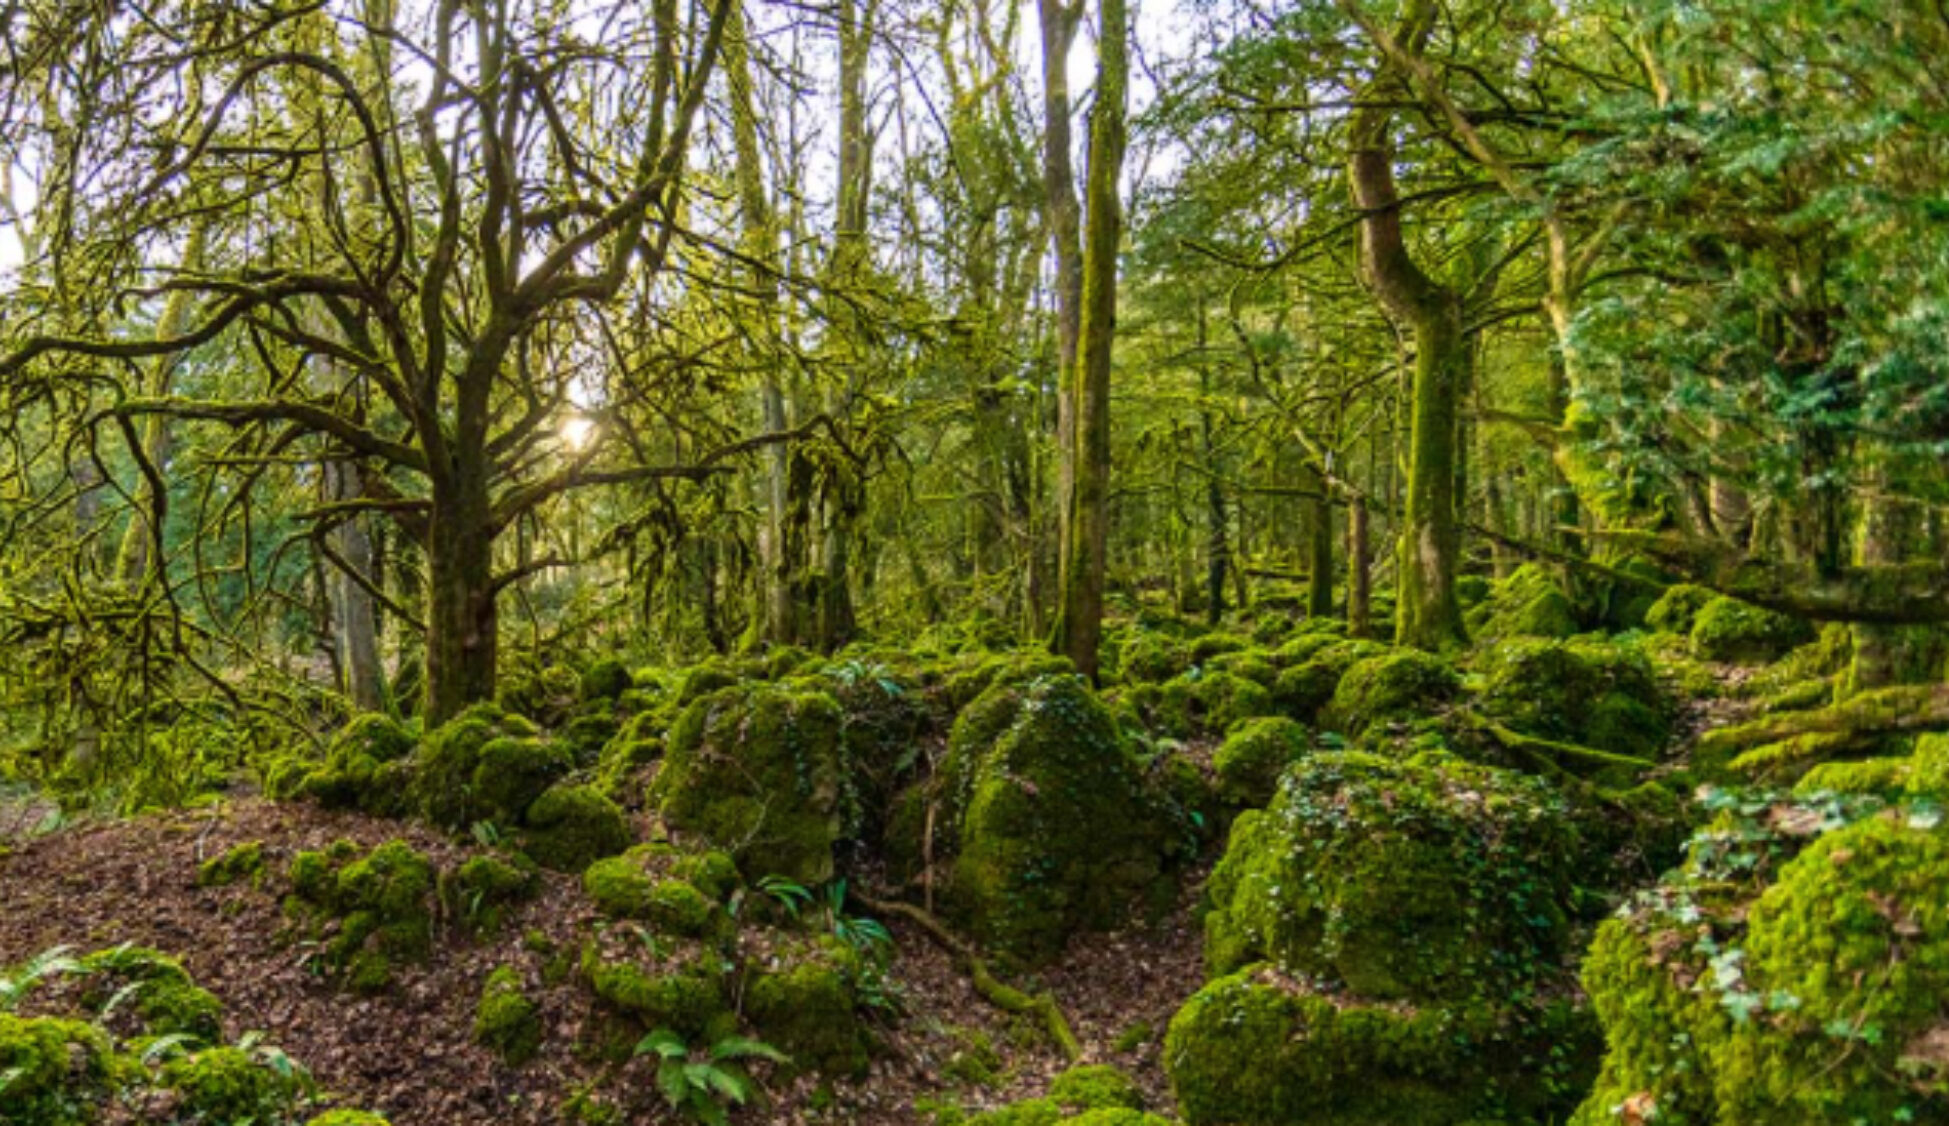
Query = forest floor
x=409 y=1053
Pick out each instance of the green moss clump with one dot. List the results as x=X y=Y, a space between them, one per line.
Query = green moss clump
x=1252 y=758
x=380 y=903
x=348 y=1118
x=686 y=992
x=1256 y=1049
x=512 y=772
x=156 y=988
x=607 y=679
x=1817 y=1001
x=506 y=1021
x=570 y=827
x=1118 y=1116
x=1928 y=773
x=242 y=862
x=1307 y=684
x=1152 y=658
x=484 y=886
x=366 y=767
x=804 y=1003
x=57 y=1072
x=1678 y=608
x=1727 y=629
x=1885 y=778
x=1405 y=684
x=1046 y=809
x=1528 y=603
x=758 y=770
x=1585 y=691
x=227 y=1085
x=704 y=680
x=1431 y=878
x=448 y=765
x=1028 y=1112
x=1095 y=1087
x=1202 y=702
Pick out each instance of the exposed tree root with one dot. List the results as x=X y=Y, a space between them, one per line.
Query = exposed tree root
x=995 y=991
x=1550 y=756
x=1854 y=723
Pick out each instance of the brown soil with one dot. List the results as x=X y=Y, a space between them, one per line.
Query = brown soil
x=408 y=1053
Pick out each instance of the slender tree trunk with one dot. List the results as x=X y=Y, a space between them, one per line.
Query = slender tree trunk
x=1358 y=564
x=1427 y=614
x=1063 y=216
x=1079 y=627
x=357 y=620
x=1319 y=549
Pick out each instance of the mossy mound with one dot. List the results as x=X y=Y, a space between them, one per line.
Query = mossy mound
x=449 y=767
x=228 y=1084
x=1093 y=1094
x=606 y=679
x=1751 y=989
x=1530 y=602
x=1146 y=657
x=1252 y=758
x=1678 y=608
x=366 y=767
x=235 y=865
x=1585 y=691
x=545 y=695
x=1260 y=1049
x=758 y=771
x=1046 y=812
x=804 y=997
x=59 y=1072
x=677 y=985
x=677 y=892
x=1430 y=878
x=568 y=828
x=1306 y=686
x=484 y=887
x=1726 y=629
x=155 y=988
x=506 y=1021
x=964 y=686
x=1200 y=702
x=370 y=910
x=1402 y=686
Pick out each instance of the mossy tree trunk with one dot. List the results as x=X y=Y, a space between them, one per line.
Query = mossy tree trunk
x=1427 y=614
x=1319 y=548
x=1079 y=624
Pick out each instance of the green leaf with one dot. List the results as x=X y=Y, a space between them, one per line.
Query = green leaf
x=744 y=1047
x=664 y=1043
x=673 y=1082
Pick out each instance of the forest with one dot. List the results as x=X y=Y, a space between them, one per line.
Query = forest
x=974 y=562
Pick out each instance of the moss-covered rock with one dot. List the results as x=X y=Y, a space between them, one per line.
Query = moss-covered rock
x=1152 y=658
x=366 y=767
x=654 y=883
x=370 y=910
x=1727 y=629
x=1095 y=1087
x=1403 y=685
x=348 y=1118
x=1586 y=691
x=59 y=1072
x=758 y=771
x=1530 y=602
x=448 y=766
x=226 y=1084
x=1248 y=764
x=506 y=1021
x=485 y=886
x=1045 y=810
x=155 y=987
x=1306 y=686
x=235 y=865
x=1431 y=878
x=570 y=827
x=803 y=1000
x=684 y=989
x=1678 y=608
x=606 y=679
x=1260 y=1049
x=1200 y=702
x=1817 y=1001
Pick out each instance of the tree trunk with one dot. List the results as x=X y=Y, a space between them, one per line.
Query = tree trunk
x=1063 y=215
x=1358 y=564
x=1319 y=550
x=357 y=624
x=462 y=619
x=1427 y=614
x=1079 y=625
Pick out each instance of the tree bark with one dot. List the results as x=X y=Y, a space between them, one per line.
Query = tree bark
x=1079 y=626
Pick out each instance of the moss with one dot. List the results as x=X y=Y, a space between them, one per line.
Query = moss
x=588 y=732
x=1404 y=684
x=1585 y=691
x=1430 y=878
x=242 y=862
x=703 y=681
x=485 y=886
x=1216 y=644
x=1252 y=757
x=1029 y=1112
x=155 y=987
x=374 y=735
x=804 y=1003
x=392 y=881
x=348 y=1118
x=1816 y=1000
x=1678 y=608
x=1134 y=1037
x=1095 y=1087
x=1883 y=777
x=1306 y=686
x=1182 y=788
x=1151 y=658
x=506 y=1021
x=570 y=827
x=1727 y=629
x=1530 y=602
x=1048 y=812
x=607 y=679
x=227 y=1085
x=1928 y=774
x=687 y=994
x=58 y=1071
x=1202 y=702
x=380 y=902
x=1117 y=1116
x=758 y=771
x=1254 y=665
x=448 y=764
x=1255 y=1049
